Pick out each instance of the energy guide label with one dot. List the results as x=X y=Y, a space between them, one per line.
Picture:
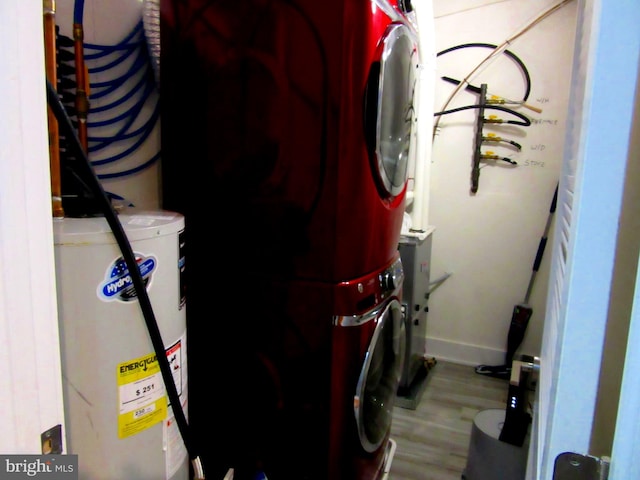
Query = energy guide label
x=141 y=396
x=141 y=392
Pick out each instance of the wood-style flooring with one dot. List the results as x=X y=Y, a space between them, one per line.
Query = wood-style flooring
x=432 y=440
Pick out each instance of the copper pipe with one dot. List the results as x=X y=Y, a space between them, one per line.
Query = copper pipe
x=82 y=86
x=54 y=137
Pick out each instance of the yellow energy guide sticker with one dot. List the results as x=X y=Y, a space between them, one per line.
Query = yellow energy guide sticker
x=141 y=396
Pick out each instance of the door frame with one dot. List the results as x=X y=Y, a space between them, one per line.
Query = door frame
x=601 y=110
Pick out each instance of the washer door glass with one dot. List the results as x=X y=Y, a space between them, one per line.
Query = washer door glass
x=389 y=109
x=380 y=377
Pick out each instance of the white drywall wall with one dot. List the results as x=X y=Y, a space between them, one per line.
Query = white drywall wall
x=488 y=241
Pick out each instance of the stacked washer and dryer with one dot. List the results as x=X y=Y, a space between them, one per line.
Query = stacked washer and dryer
x=287 y=131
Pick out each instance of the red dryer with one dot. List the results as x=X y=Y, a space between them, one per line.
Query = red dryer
x=291 y=121
x=357 y=221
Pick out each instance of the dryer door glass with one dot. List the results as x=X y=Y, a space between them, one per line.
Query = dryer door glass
x=389 y=111
x=380 y=377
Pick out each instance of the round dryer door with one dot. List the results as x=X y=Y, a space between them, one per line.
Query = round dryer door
x=389 y=108
x=380 y=377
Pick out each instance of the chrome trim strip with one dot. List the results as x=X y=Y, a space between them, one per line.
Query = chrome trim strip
x=357 y=320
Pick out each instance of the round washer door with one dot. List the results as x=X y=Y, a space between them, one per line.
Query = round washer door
x=389 y=108
x=380 y=377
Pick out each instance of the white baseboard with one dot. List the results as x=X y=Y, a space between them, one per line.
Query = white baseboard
x=462 y=353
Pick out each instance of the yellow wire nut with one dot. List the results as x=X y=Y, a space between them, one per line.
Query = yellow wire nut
x=493 y=119
x=491 y=137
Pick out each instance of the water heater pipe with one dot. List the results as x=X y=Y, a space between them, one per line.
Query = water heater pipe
x=49 y=7
x=82 y=78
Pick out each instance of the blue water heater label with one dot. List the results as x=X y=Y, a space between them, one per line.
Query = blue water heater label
x=118 y=284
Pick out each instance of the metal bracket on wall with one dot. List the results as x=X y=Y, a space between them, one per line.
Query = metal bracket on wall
x=573 y=466
x=477 y=154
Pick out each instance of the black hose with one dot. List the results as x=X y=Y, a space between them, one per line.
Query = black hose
x=508 y=53
x=89 y=177
x=525 y=121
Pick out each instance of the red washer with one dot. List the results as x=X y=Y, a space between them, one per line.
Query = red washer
x=292 y=119
x=366 y=364
x=335 y=369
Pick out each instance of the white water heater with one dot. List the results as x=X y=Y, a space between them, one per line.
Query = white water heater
x=117 y=413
